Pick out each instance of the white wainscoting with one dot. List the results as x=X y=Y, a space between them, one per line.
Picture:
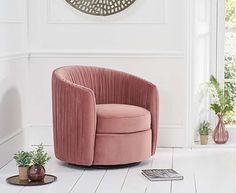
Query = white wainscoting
x=13 y=77
x=167 y=69
x=154 y=49
x=140 y=12
x=55 y=25
x=13 y=103
x=13 y=11
x=13 y=27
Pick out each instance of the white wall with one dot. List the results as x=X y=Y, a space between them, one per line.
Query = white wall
x=54 y=25
x=150 y=40
x=164 y=41
x=13 y=77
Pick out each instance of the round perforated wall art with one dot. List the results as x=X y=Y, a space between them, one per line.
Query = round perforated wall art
x=100 y=7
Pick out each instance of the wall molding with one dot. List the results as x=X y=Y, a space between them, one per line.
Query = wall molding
x=19 y=20
x=93 y=54
x=107 y=54
x=12 y=21
x=13 y=56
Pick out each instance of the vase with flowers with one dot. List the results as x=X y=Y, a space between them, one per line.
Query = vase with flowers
x=37 y=171
x=221 y=104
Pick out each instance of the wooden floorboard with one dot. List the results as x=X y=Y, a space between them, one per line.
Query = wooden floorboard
x=183 y=162
x=161 y=160
x=135 y=181
x=205 y=170
x=90 y=181
x=8 y=170
x=113 y=181
x=215 y=170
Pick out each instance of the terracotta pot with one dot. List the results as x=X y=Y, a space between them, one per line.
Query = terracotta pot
x=36 y=172
x=23 y=172
x=220 y=134
x=203 y=139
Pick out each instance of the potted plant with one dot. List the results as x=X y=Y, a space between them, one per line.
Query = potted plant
x=23 y=160
x=204 y=130
x=222 y=104
x=37 y=171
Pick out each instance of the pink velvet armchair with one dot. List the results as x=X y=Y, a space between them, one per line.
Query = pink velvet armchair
x=102 y=116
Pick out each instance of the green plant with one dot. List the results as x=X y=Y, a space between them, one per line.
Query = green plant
x=221 y=103
x=204 y=128
x=23 y=158
x=230 y=14
x=230 y=72
x=230 y=57
x=39 y=156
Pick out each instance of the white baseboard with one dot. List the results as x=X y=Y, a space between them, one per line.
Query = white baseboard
x=172 y=137
x=9 y=146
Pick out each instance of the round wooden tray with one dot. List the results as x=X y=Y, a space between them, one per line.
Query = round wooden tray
x=48 y=179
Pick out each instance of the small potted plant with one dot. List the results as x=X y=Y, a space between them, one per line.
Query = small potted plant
x=204 y=130
x=37 y=171
x=23 y=160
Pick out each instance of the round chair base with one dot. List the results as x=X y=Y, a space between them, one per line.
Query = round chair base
x=115 y=166
x=119 y=166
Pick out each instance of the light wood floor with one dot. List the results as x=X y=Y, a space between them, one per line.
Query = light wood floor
x=205 y=170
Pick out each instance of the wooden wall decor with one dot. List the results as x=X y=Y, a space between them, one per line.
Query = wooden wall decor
x=100 y=7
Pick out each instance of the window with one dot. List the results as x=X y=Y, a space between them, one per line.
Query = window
x=230 y=55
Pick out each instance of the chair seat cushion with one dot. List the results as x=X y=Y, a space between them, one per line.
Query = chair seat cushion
x=120 y=118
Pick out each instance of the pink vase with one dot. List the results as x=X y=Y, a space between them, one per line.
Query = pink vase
x=220 y=134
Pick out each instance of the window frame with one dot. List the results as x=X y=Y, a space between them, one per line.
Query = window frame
x=218 y=68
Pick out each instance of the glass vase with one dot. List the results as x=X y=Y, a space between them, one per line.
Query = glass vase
x=220 y=134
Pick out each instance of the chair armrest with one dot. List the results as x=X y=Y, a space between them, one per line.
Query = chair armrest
x=74 y=121
x=145 y=94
